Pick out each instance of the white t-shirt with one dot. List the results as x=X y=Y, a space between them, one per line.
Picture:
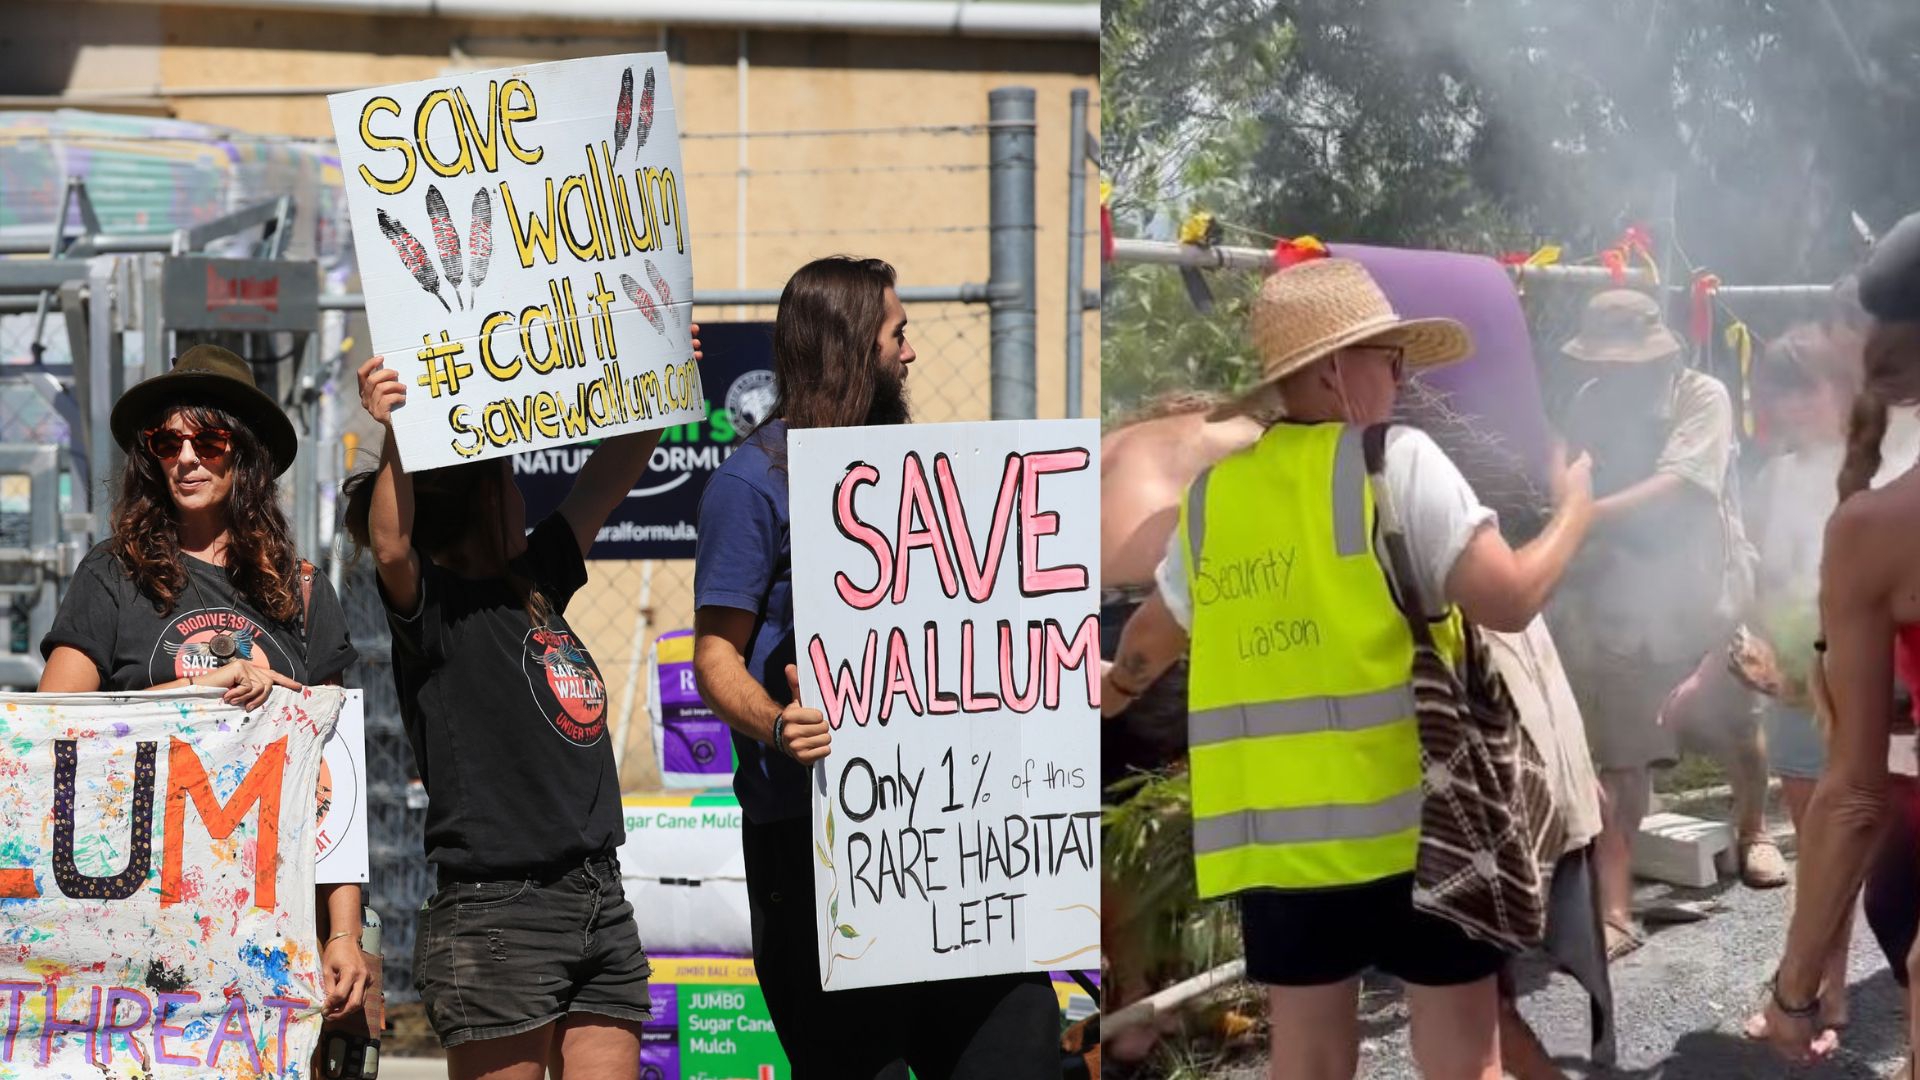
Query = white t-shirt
x=1439 y=514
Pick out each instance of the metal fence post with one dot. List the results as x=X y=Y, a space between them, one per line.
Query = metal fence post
x=1010 y=267
x=1076 y=243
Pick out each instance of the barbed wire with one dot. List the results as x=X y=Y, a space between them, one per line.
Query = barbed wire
x=218 y=138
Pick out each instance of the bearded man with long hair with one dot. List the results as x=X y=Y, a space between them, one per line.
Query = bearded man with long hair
x=840 y=359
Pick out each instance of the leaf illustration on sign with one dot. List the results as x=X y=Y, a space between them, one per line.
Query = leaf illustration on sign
x=480 y=237
x=643 y=300
x=445 y=238
x=623 y=112
x=413 y=256
x=646 y=110
x=666 y=301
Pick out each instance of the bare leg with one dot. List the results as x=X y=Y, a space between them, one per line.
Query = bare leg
x=1520 y=1051
x=1625 y=794
x=1456 y=1030
x=1315 y=1031
x=1797 y=793
x=1746 y=765
x=593 y=1046
x=510 y=1057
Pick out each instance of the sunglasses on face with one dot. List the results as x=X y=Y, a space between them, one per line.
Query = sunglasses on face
x=1395 y=354
x=208 y=443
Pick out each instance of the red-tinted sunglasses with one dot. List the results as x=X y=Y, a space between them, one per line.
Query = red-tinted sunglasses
x=208 y=443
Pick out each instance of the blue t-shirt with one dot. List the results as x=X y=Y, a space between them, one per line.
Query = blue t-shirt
x=744 y=561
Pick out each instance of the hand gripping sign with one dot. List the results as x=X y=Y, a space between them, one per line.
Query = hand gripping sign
x=946 y=586
x=525 y=254
x=156 y=865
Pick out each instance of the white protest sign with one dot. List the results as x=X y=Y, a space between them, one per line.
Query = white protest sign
x=340 y=811
x=525 y=254
x=156 y=872
x=945 y=586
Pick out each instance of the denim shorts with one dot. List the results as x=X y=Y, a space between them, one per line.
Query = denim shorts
x=498 y=958
x=1795 y=748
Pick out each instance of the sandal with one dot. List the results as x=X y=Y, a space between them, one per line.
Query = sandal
x=1761 y=864
x=1621 y=939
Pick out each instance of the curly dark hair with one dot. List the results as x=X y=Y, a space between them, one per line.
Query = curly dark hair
x=260 y=552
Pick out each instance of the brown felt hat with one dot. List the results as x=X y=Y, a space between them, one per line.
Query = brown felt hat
x=1318 y=307
x=1621 y=326
x=208 y=375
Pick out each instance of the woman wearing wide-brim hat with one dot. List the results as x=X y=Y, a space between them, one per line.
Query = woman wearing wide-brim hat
x=1326 y=885
x=199 y=585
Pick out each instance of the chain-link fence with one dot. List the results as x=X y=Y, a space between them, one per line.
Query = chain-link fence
x=767 y=202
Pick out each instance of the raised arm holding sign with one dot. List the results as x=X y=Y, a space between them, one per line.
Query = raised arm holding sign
x=578 y=330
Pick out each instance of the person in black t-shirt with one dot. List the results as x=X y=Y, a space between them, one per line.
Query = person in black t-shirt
x=199 y=584
x=528 y=952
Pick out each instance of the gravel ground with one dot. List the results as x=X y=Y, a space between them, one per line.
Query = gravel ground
x=1680 y=1004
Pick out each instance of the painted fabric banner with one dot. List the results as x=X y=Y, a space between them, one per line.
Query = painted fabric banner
x=156 y=864
x=525 y=254
x=946 y=583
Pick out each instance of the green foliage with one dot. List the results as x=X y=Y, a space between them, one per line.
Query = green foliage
x=1147 y=842
x=1164 y=344
x=1744 y=131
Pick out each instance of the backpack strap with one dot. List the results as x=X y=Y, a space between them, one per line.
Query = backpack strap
x=306 y=599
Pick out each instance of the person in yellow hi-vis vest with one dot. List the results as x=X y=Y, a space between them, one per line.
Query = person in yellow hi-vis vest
x=1305 y=753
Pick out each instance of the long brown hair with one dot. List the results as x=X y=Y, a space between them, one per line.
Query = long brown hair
x=146 y=524
x=1892 y=377
x=825 y=340
x=448 y=505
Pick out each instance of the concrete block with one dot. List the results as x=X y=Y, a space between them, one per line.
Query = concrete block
x=1682 y=850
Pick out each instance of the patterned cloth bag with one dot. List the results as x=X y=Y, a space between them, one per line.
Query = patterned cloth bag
x=1486 y=820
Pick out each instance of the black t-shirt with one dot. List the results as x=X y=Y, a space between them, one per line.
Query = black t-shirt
x=508 y=721
x=136 y=645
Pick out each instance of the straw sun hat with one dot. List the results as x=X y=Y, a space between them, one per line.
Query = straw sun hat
x=1316 y=308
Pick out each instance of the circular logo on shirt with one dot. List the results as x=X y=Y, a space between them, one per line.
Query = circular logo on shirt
x=566 y=685
x=195 y=642
x=750 y=399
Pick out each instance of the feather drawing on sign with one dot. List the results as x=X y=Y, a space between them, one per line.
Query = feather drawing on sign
x=623 y=112
x=646 y=110
x=414 y=256
x=480 y=239
x=643 y=300
x=660 y=286
x=445 y=238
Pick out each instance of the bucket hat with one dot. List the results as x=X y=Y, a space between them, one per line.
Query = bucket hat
x=1621 y=326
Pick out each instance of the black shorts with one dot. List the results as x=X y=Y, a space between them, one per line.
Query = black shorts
x=499 y=958
x=991 y=1027
x=1329 y=936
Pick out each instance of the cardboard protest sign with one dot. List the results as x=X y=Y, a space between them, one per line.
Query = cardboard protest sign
x=340 y=798
x=945 y=585
x=156 y=859
x=525 y=254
